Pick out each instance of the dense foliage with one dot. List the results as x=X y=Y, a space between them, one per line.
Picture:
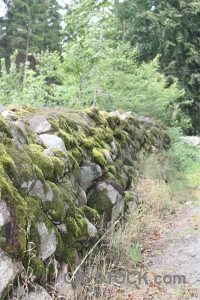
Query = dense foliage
x=29 y=26
x=169 y=28
x=108 y=59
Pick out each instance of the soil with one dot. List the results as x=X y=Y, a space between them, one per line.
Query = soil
x=173 y=251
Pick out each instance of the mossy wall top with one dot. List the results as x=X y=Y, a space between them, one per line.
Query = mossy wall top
x=63 y=175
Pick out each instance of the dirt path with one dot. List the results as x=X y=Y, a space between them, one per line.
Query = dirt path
x=175 y=251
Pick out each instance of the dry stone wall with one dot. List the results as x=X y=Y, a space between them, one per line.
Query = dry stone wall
x=63 y=177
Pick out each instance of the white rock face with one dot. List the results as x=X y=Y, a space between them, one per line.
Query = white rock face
x=53 y=141
x=5 y=217
x=9 y=269
x=64 y=288
x=39 y=124
x=89 y=173
x=48 y=241
x=39 y=294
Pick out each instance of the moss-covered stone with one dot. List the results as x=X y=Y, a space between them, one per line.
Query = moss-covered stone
x=91 y=214
x=4 y=127
x=99 y=157
x=42 y=160
x=55 y=208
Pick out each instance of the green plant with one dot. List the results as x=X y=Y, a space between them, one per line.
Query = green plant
x=135 y=253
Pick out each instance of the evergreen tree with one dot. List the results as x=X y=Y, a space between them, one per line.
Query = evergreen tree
x=170 y=28
x=29 y=26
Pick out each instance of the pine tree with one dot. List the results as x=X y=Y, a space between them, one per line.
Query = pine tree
x=29 y=26
x=170 y=28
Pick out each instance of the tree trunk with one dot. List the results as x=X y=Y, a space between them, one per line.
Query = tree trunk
x=27 y=50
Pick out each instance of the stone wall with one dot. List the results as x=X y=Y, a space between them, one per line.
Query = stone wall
x=64 y=177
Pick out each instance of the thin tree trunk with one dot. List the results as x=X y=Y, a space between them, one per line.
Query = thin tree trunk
x=27 y=50
x=99 y=56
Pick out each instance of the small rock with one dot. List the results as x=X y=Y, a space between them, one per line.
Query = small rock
x=40 y=124
x=82 y=197
x=62 y=228
x=53 y=141
x=114 y=149
x=92 y=231
x=88 y=174
x=18 y=134
x=48 y=241
x=5 y=217
x=39 y=294
x=8 y=114
x=108 y=156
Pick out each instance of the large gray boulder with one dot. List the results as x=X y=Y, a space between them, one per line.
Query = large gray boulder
x=52 y=141
x=9 y=270
x=40 y=124
x=89 y=172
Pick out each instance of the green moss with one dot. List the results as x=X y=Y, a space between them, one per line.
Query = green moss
x=68 y=139
x=88 y=143
x=77 y=154
x=58 y=168
x=54 y=123
x=112 y=169
x=95 y=115
x=42 y=160
x=4 y=128
x=69 y=255
x=59 y=153
x=73 y=231
x=101 y=204
x=63 y=124
x=21 y=109
x=91 y=214
x=33 y=265
x=35 y=216
x=9 y=167
x=55 y=208
x=68 y=193
x=98 y=157
x=119 y=134
x=5 y=185
x=81 y=222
